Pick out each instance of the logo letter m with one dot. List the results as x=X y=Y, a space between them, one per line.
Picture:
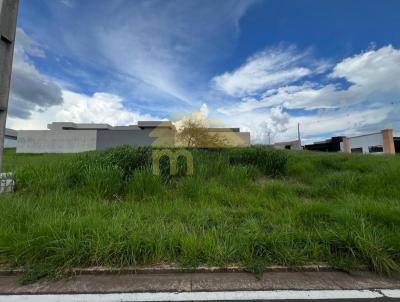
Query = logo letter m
x=173 y=160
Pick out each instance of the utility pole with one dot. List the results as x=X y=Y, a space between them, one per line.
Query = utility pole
x=298 y=134
x=8 y=23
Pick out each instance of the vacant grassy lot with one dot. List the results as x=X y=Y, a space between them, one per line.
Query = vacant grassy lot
x=248 y=207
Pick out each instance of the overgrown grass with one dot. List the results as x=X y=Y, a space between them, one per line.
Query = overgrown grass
x=252 y=207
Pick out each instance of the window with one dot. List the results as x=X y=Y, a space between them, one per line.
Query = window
x=375 y=149
x=356 y=150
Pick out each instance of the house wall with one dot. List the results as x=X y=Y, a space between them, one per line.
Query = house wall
x=64 y=141
x=233 y=139
x=146 y=137
x=365 y=141
x=293 y=145
x=72 y=141
x=335 y=144
x=383 y=139
x=10 y=143
x=388 y=141
x=397 y=146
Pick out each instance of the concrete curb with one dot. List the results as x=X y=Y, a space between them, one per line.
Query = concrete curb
x=173 y=269
x=197 y=282
x=275 y=295
x=170 y=269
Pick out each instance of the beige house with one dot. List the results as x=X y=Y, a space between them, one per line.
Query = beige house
x=72 y=137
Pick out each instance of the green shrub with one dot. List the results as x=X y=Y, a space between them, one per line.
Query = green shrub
x=106 y=172
x=270 y=162
x=144 y=185
x=191 y=187
x=105 y=181
x=235 y=176
x=209 y=163
x=339 y=182
x=316 y=214
x=329 y=208
x=40 y=179
x=165 y=168
x=367 y=245
x=127 y=158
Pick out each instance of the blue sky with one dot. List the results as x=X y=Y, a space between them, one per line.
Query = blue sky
x=332 y=66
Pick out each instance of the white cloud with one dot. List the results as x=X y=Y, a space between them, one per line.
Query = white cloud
x=155 y=50
x=342 y=122
x=25 y=45
x=68 y=3
x=36 y=100
x=80 y=108
x=278 y=116
x=98 y=108
x=30 y=89
x=308 y=96
x=379 y=68
x=200 y=117
x=156 y=47
x=369 y=103
x=270 y=68
x=373 y=74
x=204 y=109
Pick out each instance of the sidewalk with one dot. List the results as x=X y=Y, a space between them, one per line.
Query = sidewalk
x=200 y=282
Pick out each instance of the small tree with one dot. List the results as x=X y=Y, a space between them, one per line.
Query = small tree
x=194 y=134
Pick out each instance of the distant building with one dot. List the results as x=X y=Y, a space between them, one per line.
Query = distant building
x=71 y=137
x=396 y=141
x=330 y=145
x=381 y=142
x=290 y=145
x=375 y=143
x=10 y=138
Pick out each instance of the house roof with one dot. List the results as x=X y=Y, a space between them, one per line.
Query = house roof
x=155 y=124
x=11 y=133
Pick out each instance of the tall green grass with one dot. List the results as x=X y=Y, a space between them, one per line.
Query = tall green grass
x=252 y=207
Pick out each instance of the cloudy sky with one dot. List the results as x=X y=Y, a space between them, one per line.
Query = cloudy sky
x=332 y=66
